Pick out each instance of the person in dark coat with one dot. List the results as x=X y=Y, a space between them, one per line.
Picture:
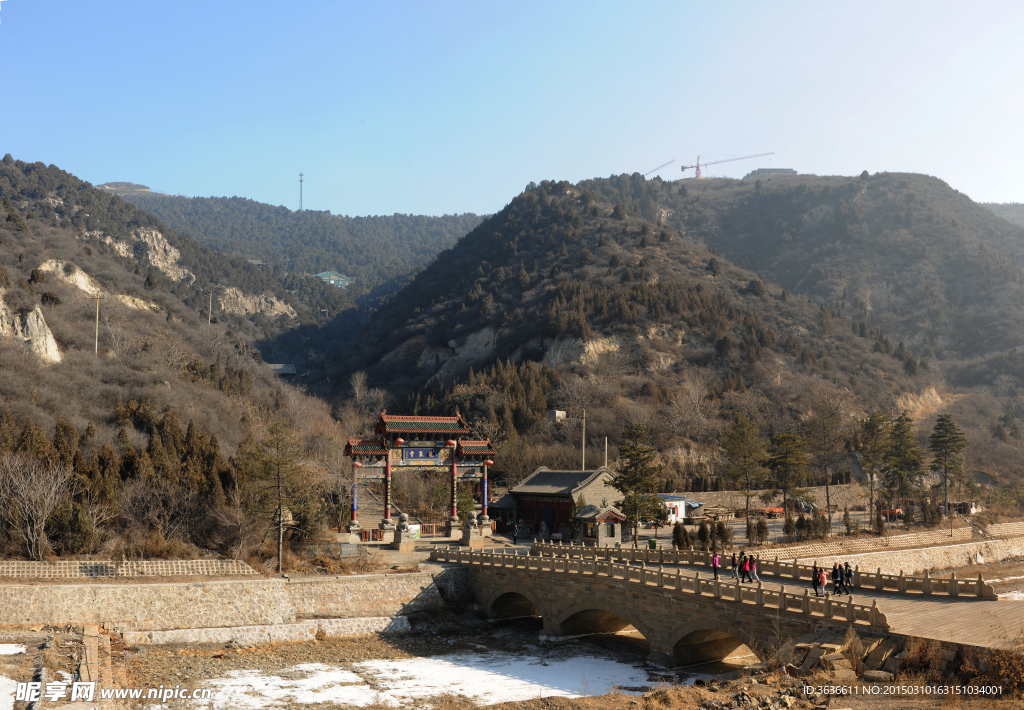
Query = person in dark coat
x=837 y=579
x=814 y=579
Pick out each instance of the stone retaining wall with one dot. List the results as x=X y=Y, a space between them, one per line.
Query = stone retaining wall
x=915 y=561
x=1006 y=530
x=301 y=631
x=77 y=569
x=231 y=603
x=854 y=546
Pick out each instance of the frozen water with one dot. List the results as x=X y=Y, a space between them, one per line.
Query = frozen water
x=487 y=679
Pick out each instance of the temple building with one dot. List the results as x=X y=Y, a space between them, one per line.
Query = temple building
x=544 y=501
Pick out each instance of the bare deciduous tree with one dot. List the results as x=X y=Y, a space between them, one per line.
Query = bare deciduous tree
x=826 y=432
x=689 y=410
x=575 y=394
x=31 y=491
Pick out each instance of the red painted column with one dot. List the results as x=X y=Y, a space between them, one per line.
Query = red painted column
x=387 y=485
x=455 y=511
x=355 y=495
x=484 y=488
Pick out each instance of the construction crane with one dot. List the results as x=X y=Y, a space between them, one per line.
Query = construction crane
x=659 y=167
x=698 y=166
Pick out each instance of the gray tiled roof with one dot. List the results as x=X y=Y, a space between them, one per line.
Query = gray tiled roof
x=544 y=481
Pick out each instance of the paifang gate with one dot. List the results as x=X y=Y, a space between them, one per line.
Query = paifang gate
x=419 y=442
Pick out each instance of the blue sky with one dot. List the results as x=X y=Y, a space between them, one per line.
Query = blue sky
x=444 y=107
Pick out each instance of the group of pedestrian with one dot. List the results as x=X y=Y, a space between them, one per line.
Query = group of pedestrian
x=744 y=567
x=841 y=578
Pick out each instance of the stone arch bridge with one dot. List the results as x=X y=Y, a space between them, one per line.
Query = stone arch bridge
x=685 y=619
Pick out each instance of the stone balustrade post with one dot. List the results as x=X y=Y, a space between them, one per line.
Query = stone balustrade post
x=759 y=597
x=696 y=583
x=718 y=589
x=796 y=569
x=926 y=583
x=981 y=586
x=679 y=579
x=873 y=615
x=851 y=613
x=738 y=592
x=782 y=598
x=807 y=602
x=689 y=556
x=879 y=582
x=661 y=575
x=856 y=576
x=954 y=586
x=901 y=584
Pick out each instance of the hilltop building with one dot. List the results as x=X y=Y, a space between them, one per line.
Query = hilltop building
x=334 y=278
x=769 y=172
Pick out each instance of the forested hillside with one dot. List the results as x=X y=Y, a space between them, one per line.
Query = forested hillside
x=621 y=297
x=380 y=254
x=1010 y=211
x=150 y=430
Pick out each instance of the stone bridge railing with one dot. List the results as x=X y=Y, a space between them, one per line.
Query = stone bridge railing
x=818 y=607
x=862 y=579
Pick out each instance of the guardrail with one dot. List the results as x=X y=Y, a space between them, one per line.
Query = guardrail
x=819 y=607
x=862 y=579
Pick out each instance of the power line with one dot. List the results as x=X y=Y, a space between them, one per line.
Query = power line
x=300 y=192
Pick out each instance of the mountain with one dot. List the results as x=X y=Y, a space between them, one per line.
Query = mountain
x=1010 y=211
x=893 y=289
x=112 y=367
x=379 y=254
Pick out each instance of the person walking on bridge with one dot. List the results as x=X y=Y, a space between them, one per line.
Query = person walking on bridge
x=745 y=568
x=837 y=579
x=753 y=570
x=815 y=581
x=735 y=566
x=715 y=562
x=849 y=577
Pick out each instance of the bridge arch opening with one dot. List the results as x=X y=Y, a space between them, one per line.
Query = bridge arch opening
x=513 y=605
x=608 y=624
x=709 y=645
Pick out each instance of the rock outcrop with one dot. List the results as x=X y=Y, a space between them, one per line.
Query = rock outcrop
x=232 y=300
x=69 y=273
x=161 y=254
x=456 y=358
x=30 y=328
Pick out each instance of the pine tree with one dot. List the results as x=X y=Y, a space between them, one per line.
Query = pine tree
x=788 y=465
x=637 y=478
x=947 y=443
x=745 y=450
x=904 y=464
x=874 y=446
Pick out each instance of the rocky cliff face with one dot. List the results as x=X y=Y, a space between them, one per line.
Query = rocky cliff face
x=69 y=273
x=30 y=328
x=161 y=254
x=232 y=300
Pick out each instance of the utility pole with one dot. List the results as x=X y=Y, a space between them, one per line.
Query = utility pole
x=583 y=448
x=209 y=320
x=97 y=324
x=300 y=192
x=606 y=452
x=280 y=516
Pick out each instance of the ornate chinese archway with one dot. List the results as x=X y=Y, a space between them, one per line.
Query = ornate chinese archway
x=419 y=442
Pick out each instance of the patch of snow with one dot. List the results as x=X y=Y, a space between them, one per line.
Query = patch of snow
x=487 y=679
x=11 y=649
x=1012 y=596
x=8 y=689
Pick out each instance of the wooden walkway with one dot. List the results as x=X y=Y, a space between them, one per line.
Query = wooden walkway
x=995 y=624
